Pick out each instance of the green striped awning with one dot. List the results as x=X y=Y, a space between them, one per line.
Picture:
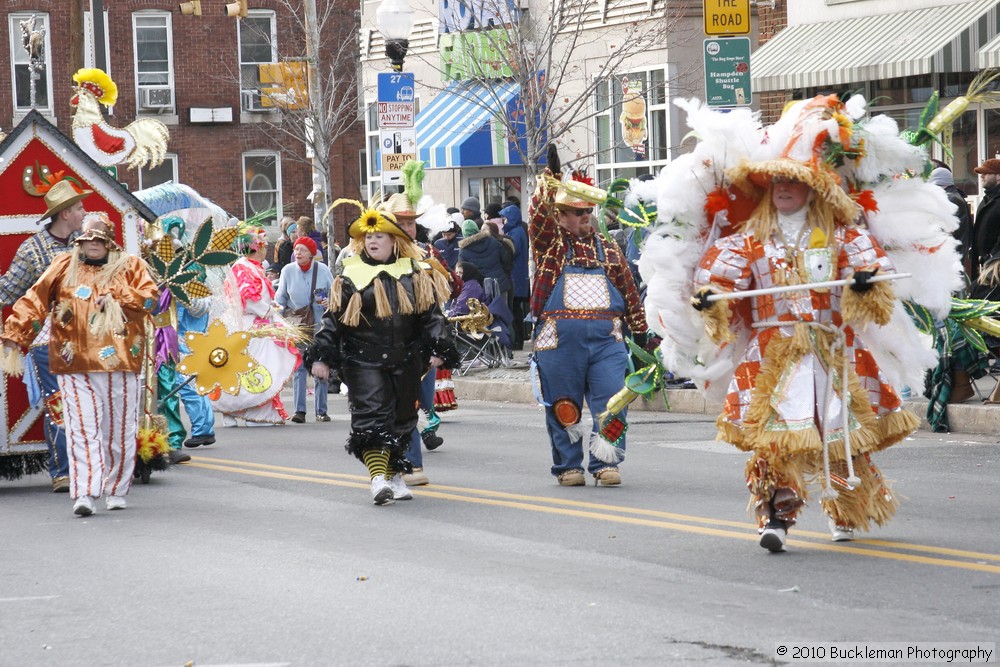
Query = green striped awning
x=869 y=48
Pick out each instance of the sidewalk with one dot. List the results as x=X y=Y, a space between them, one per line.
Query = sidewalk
x=512 y=384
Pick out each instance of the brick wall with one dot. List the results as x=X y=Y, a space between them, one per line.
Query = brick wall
x=771 y=22
x=205 y=62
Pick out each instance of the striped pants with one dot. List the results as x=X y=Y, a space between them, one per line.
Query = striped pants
x=101 y=415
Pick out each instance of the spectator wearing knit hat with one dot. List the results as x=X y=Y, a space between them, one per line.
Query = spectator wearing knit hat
x=471 y=210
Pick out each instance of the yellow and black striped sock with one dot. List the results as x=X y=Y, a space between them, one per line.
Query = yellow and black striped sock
x=377 y=461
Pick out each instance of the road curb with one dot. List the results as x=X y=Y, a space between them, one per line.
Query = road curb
x=513 y=386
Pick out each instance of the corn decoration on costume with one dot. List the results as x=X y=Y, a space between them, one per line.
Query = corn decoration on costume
x=811 y=374
x=381 y=328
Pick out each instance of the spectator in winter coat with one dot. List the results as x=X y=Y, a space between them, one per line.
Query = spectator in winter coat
x=283 y=248
x=942 y=177
x=490 y=255
x=472 y=288
x=447 y=243
x=515 y=231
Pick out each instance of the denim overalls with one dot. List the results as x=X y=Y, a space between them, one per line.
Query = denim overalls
x=580 y=352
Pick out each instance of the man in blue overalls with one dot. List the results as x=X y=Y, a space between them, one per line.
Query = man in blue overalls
x=585 y=302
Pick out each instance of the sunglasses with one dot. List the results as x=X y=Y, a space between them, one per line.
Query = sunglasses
x=578 y=212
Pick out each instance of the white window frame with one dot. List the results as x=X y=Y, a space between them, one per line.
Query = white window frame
x=614 y=166
x=168 y=24
x=17 y=50
x=169 y=157
x=372 y=141
x=247 y=94
x=278 y=205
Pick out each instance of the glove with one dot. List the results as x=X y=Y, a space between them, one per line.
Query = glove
x=700 y=300
x=552 y=159
x=862 y=280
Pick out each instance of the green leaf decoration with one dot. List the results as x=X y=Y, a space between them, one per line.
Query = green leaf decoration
x=159 y=267
x=974 y=337
x=921 y=317
x=930 y=110
x=184 y=277
x=217 y=258
x=180 y=294
x=202 y=238
x=644 y=381
x=177 y=265
x=641 y=354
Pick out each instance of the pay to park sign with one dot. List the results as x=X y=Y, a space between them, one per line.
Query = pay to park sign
x=727 y=72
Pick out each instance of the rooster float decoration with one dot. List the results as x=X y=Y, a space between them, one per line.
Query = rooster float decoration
x=141 y=143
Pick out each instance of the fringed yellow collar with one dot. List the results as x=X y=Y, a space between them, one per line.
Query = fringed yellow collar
x=361 y=274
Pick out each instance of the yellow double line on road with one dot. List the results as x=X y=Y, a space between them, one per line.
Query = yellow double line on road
x=901 y=551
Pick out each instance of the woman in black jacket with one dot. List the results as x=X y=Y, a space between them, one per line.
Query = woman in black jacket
x=383 y=328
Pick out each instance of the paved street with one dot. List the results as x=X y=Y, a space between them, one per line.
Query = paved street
x=266 y=550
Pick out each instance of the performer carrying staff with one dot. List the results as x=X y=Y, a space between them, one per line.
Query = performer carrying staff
x=383 y=329
x=65 y=211
x=585 y=302
x=807 y=390
x=99 y=298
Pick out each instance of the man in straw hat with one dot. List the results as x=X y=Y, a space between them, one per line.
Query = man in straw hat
x=99 y=297
x=65 y=211
x=585 y=301
x=383 y=329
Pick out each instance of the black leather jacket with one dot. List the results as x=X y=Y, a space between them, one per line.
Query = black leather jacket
x=382 y=342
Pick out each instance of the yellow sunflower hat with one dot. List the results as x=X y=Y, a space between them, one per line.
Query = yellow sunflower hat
x=371 y=221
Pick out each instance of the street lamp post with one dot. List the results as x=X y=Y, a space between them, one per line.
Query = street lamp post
x=394 y=19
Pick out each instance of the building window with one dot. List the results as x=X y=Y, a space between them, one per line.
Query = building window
x=153 y=62
x=164 y=173
x=258 y=45
x=632 y=125
x=262 y=185
x=20 y=64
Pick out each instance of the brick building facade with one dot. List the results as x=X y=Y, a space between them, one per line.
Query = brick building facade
x=177 y=68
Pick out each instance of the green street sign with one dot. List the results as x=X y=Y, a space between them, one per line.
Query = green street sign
x=113 y=170
x=727 y=72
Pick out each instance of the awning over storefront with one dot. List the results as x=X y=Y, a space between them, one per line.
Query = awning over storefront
x=989 y=55
x=869 y=48
x=460 y=128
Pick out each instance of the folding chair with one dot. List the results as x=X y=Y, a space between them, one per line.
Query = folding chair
x=478 y=339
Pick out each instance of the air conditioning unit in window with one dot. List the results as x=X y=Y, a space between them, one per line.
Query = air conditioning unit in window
x=252 y=101
x=160 y=97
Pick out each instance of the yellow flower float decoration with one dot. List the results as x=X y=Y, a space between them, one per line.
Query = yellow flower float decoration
x=218 y=359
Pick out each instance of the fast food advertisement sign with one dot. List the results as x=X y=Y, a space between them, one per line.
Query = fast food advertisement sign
x=633 y=116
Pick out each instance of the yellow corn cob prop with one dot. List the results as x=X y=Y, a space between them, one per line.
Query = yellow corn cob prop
x=977 y=92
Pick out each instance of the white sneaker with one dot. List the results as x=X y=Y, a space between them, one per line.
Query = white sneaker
x=840 y=533
x=399 y=489
x=229 y=422
x=84 y=506
x=115 y=502
x=773 y=538
x=382 y=491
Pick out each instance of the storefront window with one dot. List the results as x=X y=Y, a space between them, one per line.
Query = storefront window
x=632 y=125
x=905 y=90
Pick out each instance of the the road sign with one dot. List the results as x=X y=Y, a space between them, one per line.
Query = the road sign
x=727 y=17
x=395 y=87
x=395 y=148
x=727 y=72
x=395 y=114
